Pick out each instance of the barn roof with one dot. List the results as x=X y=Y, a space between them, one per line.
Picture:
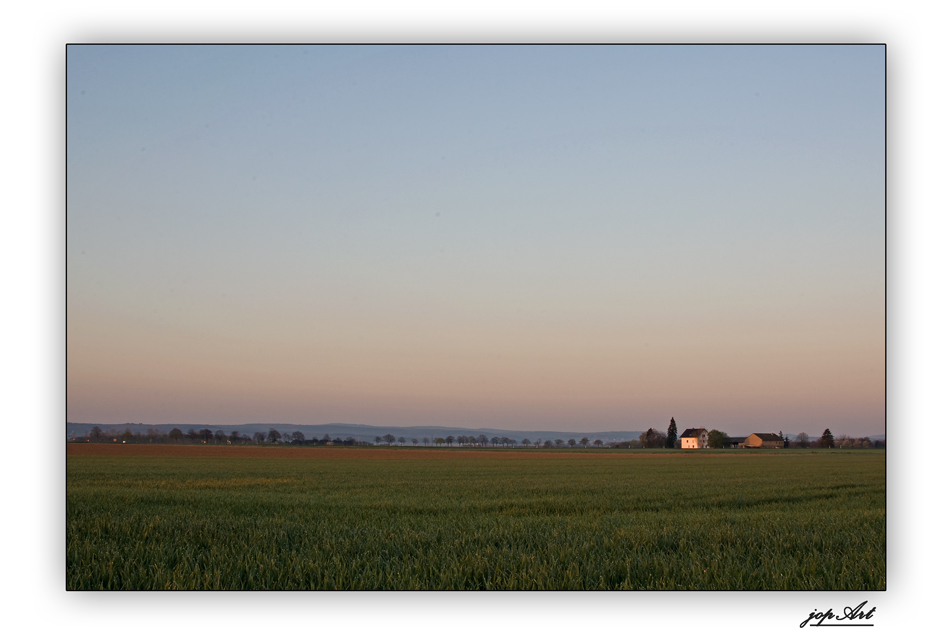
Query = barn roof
x=692 y=432
x=769 y=437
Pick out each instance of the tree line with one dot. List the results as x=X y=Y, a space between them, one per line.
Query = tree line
x=485 y=441
x=207 y=436
x=651 y=438
x=273 y=436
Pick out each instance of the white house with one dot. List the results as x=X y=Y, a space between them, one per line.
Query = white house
x=694 y=438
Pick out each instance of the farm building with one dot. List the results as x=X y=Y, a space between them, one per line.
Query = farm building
x=694 y=438
x=764 y=440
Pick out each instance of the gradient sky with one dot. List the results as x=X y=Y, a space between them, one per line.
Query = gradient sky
x=520 y=237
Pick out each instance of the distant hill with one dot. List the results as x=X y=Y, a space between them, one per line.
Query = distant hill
x=365 y=432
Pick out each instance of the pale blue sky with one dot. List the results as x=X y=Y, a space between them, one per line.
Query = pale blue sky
x=530 y=237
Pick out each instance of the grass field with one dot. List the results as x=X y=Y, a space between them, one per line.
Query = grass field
x=161 y=517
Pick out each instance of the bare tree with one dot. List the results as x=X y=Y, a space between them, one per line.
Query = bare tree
x=526 y=442
x=845 y=441
x=571 y=442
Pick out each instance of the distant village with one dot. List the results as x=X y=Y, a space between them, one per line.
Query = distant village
x=692 y=439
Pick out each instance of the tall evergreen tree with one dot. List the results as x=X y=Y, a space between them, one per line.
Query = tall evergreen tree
x=671 y=434
x=827 y=440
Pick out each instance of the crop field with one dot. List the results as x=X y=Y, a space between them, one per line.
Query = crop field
x=192 y=517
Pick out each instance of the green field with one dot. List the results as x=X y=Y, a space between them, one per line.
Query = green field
x=733 y=520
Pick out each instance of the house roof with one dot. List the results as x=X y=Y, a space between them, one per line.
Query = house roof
x=692 y=432
x=769 y=437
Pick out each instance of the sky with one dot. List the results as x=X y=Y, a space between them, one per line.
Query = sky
x=522 y=237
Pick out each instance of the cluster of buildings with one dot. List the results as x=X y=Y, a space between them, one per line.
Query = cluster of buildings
x=699 y=438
